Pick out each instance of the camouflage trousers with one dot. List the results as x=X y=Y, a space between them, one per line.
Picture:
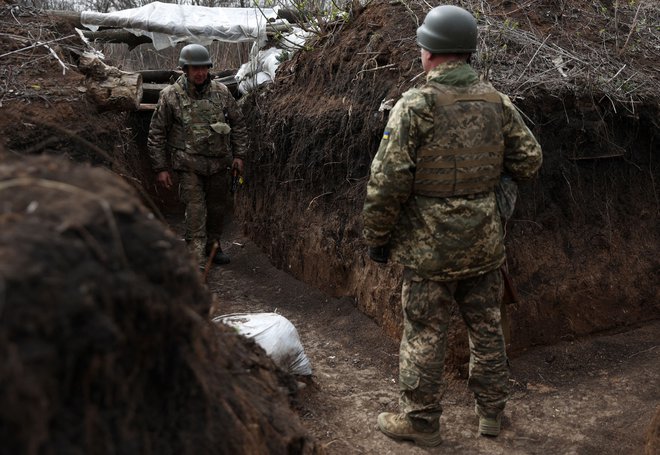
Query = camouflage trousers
x=426 y=306
x=209 y=205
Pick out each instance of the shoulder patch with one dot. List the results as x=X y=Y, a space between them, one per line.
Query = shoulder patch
x=386 y=135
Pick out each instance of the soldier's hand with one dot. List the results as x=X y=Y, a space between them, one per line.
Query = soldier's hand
x=165 y=179
x=238 y=164
x=379 y=253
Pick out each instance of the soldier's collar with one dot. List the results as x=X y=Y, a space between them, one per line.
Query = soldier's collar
x=453 y=73
x=193 y=89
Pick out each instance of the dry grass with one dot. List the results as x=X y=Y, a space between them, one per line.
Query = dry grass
x=571 y=46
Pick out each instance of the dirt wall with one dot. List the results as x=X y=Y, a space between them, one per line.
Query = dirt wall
x=104 y=331
x=581 y=243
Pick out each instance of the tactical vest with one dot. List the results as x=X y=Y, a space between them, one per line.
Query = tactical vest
x=205 y=131
x=465 y=155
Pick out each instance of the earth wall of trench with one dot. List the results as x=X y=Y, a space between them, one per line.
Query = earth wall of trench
x=581 y=246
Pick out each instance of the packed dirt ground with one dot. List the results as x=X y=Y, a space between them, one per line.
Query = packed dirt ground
x=594 y=396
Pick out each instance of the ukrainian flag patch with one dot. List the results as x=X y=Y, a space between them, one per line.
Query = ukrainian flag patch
x=386 y=135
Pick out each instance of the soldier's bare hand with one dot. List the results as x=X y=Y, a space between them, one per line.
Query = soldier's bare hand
x=165 y=179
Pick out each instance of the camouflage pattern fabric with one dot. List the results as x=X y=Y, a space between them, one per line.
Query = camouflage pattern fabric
x=196 y=131
x=422 y=355
x=446 y=238
x=198 y=134
x=209 y=205
x=464 y=156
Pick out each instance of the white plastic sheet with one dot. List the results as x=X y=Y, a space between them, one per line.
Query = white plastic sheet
x=167 y=24
x=262 y=67
x=276 y=335
x=259 y=70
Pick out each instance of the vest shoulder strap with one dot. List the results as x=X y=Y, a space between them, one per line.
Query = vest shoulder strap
x=444 y=97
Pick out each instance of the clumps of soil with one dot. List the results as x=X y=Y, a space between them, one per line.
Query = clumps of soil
x=38 y=57
x=104 y=334
x=45 y=110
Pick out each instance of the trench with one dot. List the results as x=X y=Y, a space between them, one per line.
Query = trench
x=581 y=245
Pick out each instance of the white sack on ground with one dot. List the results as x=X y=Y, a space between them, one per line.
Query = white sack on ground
x=295 y=40
x=270 y=61
x=167 y=24
x=276 y=335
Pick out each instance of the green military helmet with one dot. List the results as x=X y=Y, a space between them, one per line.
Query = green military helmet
x=194 y=55
x=448 y=29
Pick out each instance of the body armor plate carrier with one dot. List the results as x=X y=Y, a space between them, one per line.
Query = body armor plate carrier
x=205 y=129
x=466 y=153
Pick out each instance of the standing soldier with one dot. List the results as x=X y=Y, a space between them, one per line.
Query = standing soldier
x=431 y=207
x=198 y=132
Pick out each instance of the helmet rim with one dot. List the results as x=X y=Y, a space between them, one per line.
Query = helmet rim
x=448 y=29
x=194 y=55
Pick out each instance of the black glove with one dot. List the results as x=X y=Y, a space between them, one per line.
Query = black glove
x=379 y=253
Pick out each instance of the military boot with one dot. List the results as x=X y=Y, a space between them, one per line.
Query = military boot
x=488 y=425
x=220 y=257
x=399 y=426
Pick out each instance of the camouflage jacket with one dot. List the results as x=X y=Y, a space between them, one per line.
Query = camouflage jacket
x=440 y=238
x=198 y=132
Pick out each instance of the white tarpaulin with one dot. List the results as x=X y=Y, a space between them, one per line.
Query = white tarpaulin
x=167 y=24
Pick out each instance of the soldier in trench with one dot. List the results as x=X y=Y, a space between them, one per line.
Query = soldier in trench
x=431 y=207
x=198 y=135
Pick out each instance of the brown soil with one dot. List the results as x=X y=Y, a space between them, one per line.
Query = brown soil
x=104 y=334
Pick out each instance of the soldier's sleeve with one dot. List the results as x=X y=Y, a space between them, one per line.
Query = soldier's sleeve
x=239 y=133
x=157 y=140
x=522 y=152
x=392 y=174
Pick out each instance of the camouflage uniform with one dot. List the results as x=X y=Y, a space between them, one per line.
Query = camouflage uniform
x=197 y=134
x=431 y=199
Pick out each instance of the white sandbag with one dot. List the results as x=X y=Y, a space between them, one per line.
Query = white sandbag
x=265 y=61
x=276 y=335
x=270 y=61
x=252 y=82
x=263 y=64
x=295 y=40
x=247 y=69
